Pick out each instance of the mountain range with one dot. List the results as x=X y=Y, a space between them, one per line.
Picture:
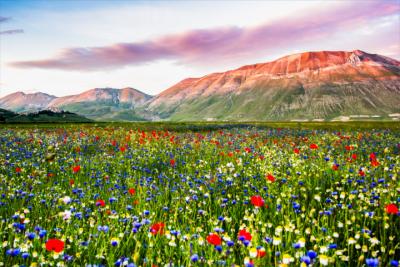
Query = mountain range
x=323 y=85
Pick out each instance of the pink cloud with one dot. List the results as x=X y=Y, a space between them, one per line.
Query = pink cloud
x=210 y=45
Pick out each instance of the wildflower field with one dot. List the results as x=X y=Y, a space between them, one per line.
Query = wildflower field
x=83 y=195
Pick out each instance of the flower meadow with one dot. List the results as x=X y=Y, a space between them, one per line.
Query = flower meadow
x=120 y=196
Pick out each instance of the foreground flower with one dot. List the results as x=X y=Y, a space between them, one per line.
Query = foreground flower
x=257 y=201
x=260 y=252
x=324 y=260
x=131 y=191
x=172 y=162
x=214 y=239
x=55 y=245
x=392 y=209
x=157 y=228
x=194 y=258
x=76 y=169
x=114 y=242
x=271 y=178
x=372 y=262
x=244 y=235
x=314 y=146
x=100 y=202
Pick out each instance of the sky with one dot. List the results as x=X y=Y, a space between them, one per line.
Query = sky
x=66 y=47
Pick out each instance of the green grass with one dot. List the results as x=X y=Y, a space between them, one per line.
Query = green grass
x=201 y=125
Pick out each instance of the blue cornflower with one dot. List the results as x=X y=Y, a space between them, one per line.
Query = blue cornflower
x=312 y=254
x=194 y=258
x=306 y=259
x=394 y=263
x=372 y=262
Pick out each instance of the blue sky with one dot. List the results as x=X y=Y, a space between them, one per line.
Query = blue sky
x=67 y=47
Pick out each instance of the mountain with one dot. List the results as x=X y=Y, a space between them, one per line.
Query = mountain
x=99 y=103
x=21 y=102
x=104 y=104
x=46 y=116
x=311 y=85
x=324 y=85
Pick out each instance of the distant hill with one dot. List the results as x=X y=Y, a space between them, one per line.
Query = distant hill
x=7 y=116
x=107 y=104
x=21 y=102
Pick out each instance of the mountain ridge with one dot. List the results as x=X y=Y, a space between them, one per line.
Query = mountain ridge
x=290 y=83
x=317 y=84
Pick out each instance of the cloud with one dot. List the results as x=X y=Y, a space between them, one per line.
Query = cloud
x=207 y=46
x=4 y=19
x=12 y=31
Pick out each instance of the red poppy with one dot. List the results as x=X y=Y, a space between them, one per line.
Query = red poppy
x=71 y=181
x=257 y=201
x=76 y=169
x=100 y=202
x=335 y=167
x=246 y=235
x=348 y=148
x=122 y=149
x=296 y=151
x=157 y=228
x=271 y=178
x=131 y=191
x=354 y=156
x=374 y=163
x=314 y=146
x=361 y=173
x=54 y=245
x=372 y=156
x=214 y=239
x=392 y=209
x=172 y=162
x=17 y=169
x=261 y=252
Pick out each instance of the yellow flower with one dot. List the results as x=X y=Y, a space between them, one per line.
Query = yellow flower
x=276 y=241
x=287 y=259
x=302 y=242
x=253 y=252
x=324 y=260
